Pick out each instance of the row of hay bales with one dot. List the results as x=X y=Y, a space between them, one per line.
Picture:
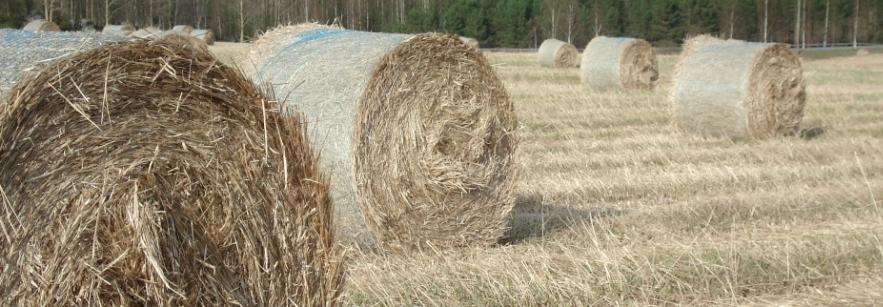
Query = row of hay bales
x=726 y=88
x=181 y=183
x=607 y=62
x=205 y=35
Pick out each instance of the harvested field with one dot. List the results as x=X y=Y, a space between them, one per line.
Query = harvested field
x=617 y=207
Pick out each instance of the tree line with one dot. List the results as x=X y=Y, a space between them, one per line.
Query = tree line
x=496 y=23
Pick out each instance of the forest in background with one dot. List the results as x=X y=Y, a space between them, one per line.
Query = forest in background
x=496 y=23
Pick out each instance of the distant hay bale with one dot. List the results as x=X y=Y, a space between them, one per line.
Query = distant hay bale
x=619 y=62
x=120 y=30
x=164 y=178
x=182 y=29
x=738 y=89
x=863 y=52
x=41 y=25
x=471 y=42
x=555 y=53
x=417 y=132
x=205 y=35
x=148 y=33
x=22 y=51
x=186 y=41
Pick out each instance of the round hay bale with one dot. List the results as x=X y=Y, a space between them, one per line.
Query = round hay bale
x=41 y=25
x=416 y=131
x=119 y=30
x=269 y=44
x=738 y=89
x=555 y=53
x=22 y=52
x=207 y=36
x=619 y=62
x=182 y=29
x=471 y=42
x=863 y=52
x=164 y=178
x=186 y=41
x=148 y=33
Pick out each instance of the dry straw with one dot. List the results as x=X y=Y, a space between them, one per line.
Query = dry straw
x=144 y=174
x=416 y=130
x=555 y=53
x=120 y=30
x=619 y=63
x=738 y=89
x=41 y=25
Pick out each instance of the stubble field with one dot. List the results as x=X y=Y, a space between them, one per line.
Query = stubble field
x=617 y=207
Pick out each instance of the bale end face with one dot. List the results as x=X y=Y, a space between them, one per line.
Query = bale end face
x=181 y=185
x=435 y=172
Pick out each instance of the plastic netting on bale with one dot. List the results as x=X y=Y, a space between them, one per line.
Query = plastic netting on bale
x=25 y=51
x=417 y=132
x=147 y=174
x=619 y=63
x=269 y=43
x=556 y=53
x=738 y=89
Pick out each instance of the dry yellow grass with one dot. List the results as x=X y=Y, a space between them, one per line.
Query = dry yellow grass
x=617 y=207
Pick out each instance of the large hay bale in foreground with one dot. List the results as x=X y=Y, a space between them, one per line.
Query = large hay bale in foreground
x=619 y=62
x=205 y=35
x=120 y=30
x=416 y=130
x=41 y=25
x=25 y=51
x=143 y=174
x=555 y=53
x=738 y=89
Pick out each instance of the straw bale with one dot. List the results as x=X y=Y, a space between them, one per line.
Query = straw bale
x=182 y=29
x=620 y=63
x=205 y=35
x=738 y=89
x=471 y=42
x=148 y=33
x=41 y=25
x=143 y=174
x=120 y=30
x=271 y=42
x=555 y=53
x=417 y=132
x=25 y=51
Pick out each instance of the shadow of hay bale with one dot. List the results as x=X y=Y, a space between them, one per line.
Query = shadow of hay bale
x=811 y=133
x=532 y=218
